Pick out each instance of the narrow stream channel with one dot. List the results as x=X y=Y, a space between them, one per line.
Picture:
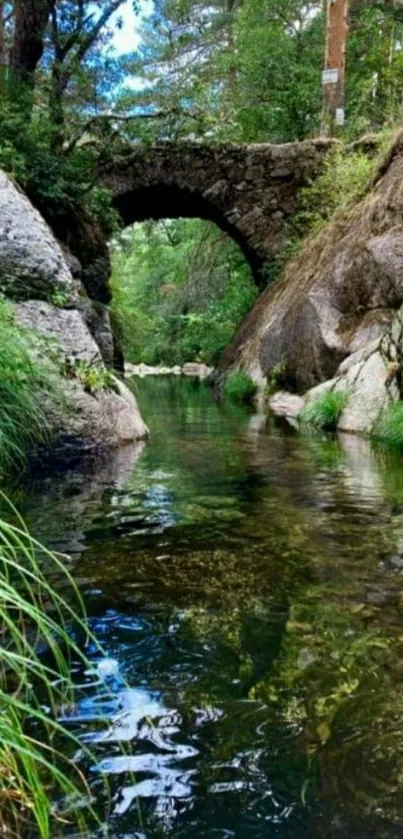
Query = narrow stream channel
x=247 y=587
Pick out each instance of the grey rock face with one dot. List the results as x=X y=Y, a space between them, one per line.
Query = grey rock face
x=93 y=423
x=65 y=325
x=89 y=422
x=32 y=264
x=96 y=316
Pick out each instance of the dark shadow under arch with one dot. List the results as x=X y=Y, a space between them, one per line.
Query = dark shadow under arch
x=161 y=202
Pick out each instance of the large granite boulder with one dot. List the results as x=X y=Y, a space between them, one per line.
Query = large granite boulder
x=91 y=423
x=85 y=422
x=66 y=326
x=32 y=264
x=335 y=316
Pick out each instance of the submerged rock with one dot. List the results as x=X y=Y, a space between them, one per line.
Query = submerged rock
x=285 y=404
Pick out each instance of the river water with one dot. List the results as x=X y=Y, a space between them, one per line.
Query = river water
x=246 y=584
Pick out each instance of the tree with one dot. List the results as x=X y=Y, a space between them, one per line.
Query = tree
x=30 y=21
x=280 y=48
x=77 y=28
x=187 y=63
x=180 y=289
x=374 y=79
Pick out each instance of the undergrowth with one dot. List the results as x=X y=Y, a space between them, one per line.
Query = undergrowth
x=239 y=387
x=93 y=377
x=23 y=384
x=324 y=411
x=347 y=176
x=389 y=428
x=344 y=180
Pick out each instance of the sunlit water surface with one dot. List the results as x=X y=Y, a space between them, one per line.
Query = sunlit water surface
x=246 y=584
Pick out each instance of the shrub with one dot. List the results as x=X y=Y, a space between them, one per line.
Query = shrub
x=345 y=178
x=389 y=428
x=276 y=378
x=22 y=388
x=93 y=377
x=239 y=387
x=324 y=411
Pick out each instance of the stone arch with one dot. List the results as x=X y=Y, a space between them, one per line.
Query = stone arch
x=250 y=191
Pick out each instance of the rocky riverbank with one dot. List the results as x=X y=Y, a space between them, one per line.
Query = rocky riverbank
x=53 y=304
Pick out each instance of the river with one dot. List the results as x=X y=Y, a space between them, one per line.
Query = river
x=247 y=587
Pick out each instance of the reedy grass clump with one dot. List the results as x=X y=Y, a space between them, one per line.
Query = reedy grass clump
x=389 y=428
x=239 y=387
x=34 y=768
x=324 y=412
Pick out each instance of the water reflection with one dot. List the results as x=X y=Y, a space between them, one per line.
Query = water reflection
x=248 y=586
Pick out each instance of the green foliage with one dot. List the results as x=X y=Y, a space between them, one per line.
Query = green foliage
x=23 y=386
x=216 y=70
x=53 y=178
x=276 y=377
x=345 y=178
x=324 y=411
x=186 y=60
x=34 y=765
x=180 y=289
x=278 y=41
x=92 y=377
x=389 y=428
x=239 y=387
x=59 y=298
x=374 y=80
x=100 y=204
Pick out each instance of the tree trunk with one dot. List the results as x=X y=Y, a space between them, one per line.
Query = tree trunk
x=2 y=37
x=56 y=109
x=3 y=52
x=30 y=21
x=333 y=76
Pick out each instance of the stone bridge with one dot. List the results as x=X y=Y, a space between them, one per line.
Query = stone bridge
x=250 y=191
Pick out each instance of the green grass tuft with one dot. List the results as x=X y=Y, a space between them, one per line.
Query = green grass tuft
x=239 y=387
x=389 y=428
x=324 y=411
x=24 y=383
x=35 y=769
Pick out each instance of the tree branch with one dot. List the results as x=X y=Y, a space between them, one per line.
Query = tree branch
x=127 y=118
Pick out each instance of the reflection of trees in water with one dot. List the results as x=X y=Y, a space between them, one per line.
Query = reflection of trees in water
x=270 y=567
